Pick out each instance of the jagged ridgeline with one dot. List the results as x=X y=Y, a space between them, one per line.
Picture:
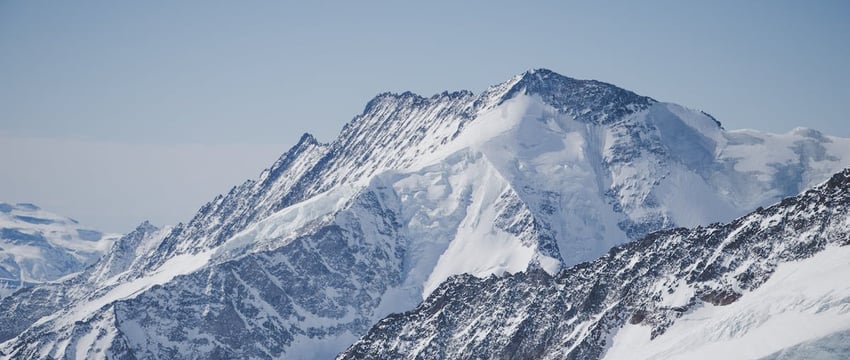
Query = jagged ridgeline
x=532 y=176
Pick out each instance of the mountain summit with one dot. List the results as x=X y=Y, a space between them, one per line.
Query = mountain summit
x=587 y=101
x=537 y=173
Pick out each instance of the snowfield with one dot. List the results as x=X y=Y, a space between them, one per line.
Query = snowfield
x=802 y=301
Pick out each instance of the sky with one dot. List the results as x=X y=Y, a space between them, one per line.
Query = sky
x=114 y=112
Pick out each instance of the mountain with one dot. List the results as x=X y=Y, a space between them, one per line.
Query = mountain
x=38 y=246
x=771 y=284
x=20 y=310
x=538 y=173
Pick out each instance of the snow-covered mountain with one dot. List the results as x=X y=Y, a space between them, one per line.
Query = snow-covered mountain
x=772 y=284
x=20 y=310
x=539 y=172
x=38 y=246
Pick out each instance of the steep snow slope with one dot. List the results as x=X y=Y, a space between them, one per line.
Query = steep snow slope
x=538 y=172
x=802 y=301
x=38 y=246
x=756 y=287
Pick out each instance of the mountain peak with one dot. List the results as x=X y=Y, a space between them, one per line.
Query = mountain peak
x=543 y=73
x=588 y=101
x=307 y=139
x=146 y=226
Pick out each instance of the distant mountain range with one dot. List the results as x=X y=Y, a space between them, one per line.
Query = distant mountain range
x=494 y=208
x=38 y=246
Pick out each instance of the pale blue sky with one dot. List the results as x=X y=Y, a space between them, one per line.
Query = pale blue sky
x=247 y=78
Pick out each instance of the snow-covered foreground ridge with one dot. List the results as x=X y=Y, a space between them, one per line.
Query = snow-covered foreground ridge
x=767 y=285
x=539 y=172
x=38 y=246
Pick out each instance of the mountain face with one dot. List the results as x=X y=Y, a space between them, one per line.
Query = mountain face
x=38 y=246
x=753 y=288
x=535 y=174
x=22 y=309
